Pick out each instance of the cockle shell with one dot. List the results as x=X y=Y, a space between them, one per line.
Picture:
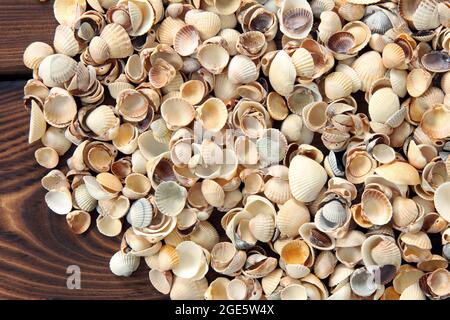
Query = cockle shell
x=59 y=200
x=65 y=41
x=78 y=221
x=207 y=23
x=38 y=125
x=262 y=227
x=282 y=74
x=338 y=85
x=383 y=104
x=441 y=200
x=212 y=114
x=177 y=112
x=118 y=41
x=170 y=198
x=56 y=69
x=123 y=264
x=46 y=157
x=192 y=261
x=141 y=213
x=369 y=67
x=185 y=289
x=242 y=69
x=296 y=18
x=35 y=53
x=213 y=193
x=68 y=11
x=435 y=122
x=213 y=57
x=306 y=178
x=162 y=281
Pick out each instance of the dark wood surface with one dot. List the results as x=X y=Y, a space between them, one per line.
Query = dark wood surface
x=36 y=247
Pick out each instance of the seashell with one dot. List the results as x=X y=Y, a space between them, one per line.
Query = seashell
x=413 y=292
x=231 y=37
x=57 y=69
x=436 y=61
x=362 y=282
x=136 y=186
x=177 y=112
x=436 y=262
x=118 y=40
x=186 y=289
x=262 y=227
x=168 y=258
x=376 y=207
x=316 y=238
x=161 y=281
x=294 y=292
x=271 y=146
x=330 y=23
x=35 y=53
x=59 y=200
x=141 y=213
x=383 y=104
x=205 y=235
x=213 y=193
x=270 y=282
x=101 y=119
x=59 y=108
x=192 y=261
x=37 y=123
x=170 y=198
x=123 y=264
x=65 y=42
x=207 y=23
x=78 y=221
x=193 y=91
x=306 y=178
x=277 y=190
x=338 y=85
x=417 y=82
x=68 y=11
x=369 y=67
x=217 y=289
x=351 y=12
x=303 y=62
x=82 y=199
x=361 y=34
x=213 y=57
x=224 y=7
x=441 y=200
x=398 y=80
x=426 y=15
x=237 y=290
x=282 y=74
x=437 y=284
x=242 y=69
x=434 y=122
x=46 y=157
x=213 y=114
x=296 y=19
x=168 y=29
x=356 y=82
x=55 y=179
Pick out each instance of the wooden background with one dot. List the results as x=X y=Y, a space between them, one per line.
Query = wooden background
x=36 y=247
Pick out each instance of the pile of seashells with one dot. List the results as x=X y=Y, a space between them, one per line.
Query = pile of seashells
x=185 y=110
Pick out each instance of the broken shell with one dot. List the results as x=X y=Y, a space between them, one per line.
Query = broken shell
x=46 y=157
x=306 y=178
x=78 y=221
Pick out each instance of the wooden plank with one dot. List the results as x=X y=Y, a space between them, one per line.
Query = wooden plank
x=21 y=23
x=36 y=246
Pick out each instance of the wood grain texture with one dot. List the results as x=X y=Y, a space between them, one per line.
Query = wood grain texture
x=23 y=22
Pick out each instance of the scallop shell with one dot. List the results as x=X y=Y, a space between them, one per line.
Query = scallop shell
x=168 y=29
x=186 y=40
x=35 y=53
x=59 y=200
x=282 y=74
x=306 y=178
x=123 y=264
x=83 y=200
x=68 y=11
x=170 y=198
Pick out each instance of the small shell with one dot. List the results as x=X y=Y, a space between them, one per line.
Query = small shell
x=435 y=122
x=141 y=213
x=306 y=178
x=123 y=264
x=47 y=157
x=170 y=198
x=213 y=114
x=262 y=227
x=191 y=261
x=37 y=123
x=207 y=23
x=426 y=16
x=82 y=199
x=56 y=69
x=282 y=74
x=213 y=193
x=413 y=292
x=59 y=108
x=399 y=172
x=65 y=41
x=168 y=29
x=118 y=40
x=213 y=57
x=436 y=61
x=185 y=289
x=338 y=85
x=161 y=281
x=376 y=207
x=294 y=292
x=316 y=238
x=291 y=216
x=369 y=67
x=442 y=200
x=242 y=69
x=417 y=82
x=168 y=258
x=35 y=53
x=193 y=91
x=296 y=19
x=78 y=221
x=59 y=200
x=383 y=104
x=177 y=112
